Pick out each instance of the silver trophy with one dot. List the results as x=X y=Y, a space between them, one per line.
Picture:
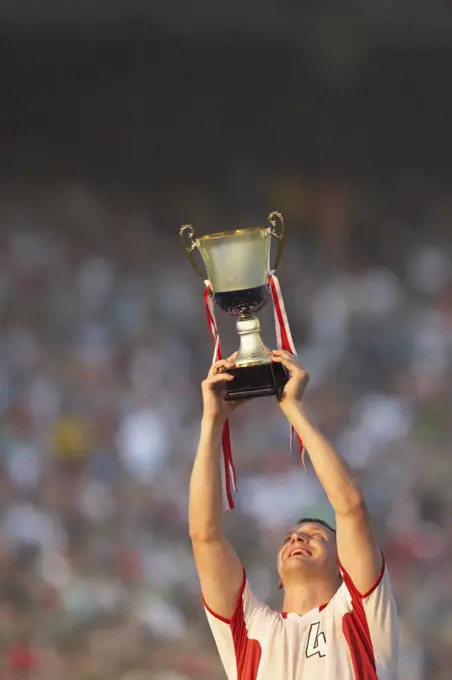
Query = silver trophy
x=237 y=266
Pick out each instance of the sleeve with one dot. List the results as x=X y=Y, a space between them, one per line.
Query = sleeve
x=238 y=639
x=370 y=623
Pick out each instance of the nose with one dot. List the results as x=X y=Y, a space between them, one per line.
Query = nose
x=298 y=536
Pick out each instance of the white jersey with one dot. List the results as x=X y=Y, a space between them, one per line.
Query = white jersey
x=353 y=637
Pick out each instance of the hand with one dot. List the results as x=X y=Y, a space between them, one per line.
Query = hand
x=298 y=380
x=214 y=390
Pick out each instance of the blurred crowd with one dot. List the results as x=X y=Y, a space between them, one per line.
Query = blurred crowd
x=103 y=345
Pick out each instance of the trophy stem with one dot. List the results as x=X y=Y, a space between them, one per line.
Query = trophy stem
x=252 y=349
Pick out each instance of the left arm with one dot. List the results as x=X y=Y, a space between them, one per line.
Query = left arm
x=358 y=550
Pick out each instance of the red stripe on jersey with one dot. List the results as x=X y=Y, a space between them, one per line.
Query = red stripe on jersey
x=374 y=585
x=356 y=631
x=247 y=652
x=239 y=603
x=217 y=616
x=377 y=581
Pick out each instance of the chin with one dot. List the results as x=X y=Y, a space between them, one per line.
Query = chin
x=301 y=566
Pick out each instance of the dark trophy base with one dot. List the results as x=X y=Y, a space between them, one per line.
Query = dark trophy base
x=259 y=380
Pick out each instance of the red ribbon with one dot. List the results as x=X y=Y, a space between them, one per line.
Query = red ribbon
x=284 y=338
x=229 y=468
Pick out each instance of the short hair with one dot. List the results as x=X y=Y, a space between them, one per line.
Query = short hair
x=315 y=520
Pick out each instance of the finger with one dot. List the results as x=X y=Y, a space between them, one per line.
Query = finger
x=288 y=359
x=233 y=357
x=283 y=360
x=222 y=363
x=219 y=378
x=219 y=366
x=283 y=353
x=293 y=368
x=290 y=365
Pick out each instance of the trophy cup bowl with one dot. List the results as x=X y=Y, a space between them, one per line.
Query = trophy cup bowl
x=237 y=265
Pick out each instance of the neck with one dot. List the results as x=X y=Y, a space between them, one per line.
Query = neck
x=301 y=598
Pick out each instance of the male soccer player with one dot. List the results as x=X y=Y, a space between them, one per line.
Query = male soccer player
x=339 y=618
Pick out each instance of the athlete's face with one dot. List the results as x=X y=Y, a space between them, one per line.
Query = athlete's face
x=308 y=548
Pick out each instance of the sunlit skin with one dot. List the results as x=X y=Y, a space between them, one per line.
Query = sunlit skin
x=308 y=568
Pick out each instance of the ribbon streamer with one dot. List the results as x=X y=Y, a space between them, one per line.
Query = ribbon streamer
x=284 y=340
x=230 y=478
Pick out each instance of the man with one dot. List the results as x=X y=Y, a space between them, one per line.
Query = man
x=339 y=619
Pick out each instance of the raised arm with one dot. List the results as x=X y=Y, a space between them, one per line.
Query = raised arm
x=358 y=550
x=219 y=569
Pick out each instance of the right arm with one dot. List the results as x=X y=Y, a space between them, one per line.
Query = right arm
x=219 y=569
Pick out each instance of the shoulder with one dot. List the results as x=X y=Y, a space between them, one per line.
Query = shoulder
x=348 y=596
x=373 y=613
x=381 y=587
x=249 y=610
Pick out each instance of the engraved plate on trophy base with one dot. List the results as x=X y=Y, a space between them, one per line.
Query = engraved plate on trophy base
x=259 y=380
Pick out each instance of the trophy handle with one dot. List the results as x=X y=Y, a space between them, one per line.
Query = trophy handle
x=189 y=247
x=279 y=236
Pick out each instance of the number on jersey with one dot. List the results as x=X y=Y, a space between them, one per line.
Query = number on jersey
x=316 y=641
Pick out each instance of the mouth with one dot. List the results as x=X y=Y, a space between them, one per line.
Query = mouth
x=300 y=552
